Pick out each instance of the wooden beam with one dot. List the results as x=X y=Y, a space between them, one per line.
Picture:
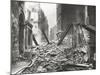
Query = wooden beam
x=35 y=40
x=90 y=27
x=64 y=34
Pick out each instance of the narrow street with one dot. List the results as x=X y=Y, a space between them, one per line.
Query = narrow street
x=51 y=37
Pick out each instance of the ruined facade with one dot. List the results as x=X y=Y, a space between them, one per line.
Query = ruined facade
x=21 y=31
x=78 y=15
x=43 y=24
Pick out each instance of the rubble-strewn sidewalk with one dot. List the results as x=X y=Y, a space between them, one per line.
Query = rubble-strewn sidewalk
x=19 y=65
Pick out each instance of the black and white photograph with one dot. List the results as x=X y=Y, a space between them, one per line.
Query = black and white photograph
x=52 y=37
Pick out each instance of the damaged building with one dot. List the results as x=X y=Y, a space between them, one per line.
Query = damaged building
x=38 y=47
x=77 y=15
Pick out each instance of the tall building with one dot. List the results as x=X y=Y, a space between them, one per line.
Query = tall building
x=82 y=15
x=43 y=24
x=69 y=14
x=14 y=30
x=53 y=32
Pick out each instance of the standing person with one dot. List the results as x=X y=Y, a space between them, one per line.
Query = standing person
x=21 y=28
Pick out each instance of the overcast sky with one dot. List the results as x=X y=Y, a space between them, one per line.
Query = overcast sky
x=50 y=11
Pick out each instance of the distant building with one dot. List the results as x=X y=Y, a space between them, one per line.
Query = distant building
x=37 y=18
x=53 y=32
x=59 y=17
x=43 y=24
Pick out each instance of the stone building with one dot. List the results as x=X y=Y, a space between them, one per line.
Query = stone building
x=21 y=31
x=53 y=32
x=14 y=30
x=78 y=15
x=43 y=24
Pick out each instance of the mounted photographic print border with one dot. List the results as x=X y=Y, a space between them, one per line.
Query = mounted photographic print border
x=52 y=37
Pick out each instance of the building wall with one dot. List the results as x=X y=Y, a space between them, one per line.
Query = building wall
x=72 y=14
x=53 y=32
x=92 y=36
x=39 y=21
x=14 y=24
x=14 y=30
x=92 y=15
x=78 y=14
x=59 y=17
x=43 y=24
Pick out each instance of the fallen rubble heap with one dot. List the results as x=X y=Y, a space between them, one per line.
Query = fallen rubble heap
x=53 y=58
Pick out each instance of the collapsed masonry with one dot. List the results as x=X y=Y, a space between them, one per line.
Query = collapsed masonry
x=75 y=44
x=53 y=58
x=65 y=57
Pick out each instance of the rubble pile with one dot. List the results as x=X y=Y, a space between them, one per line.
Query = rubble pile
x=50 y=58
